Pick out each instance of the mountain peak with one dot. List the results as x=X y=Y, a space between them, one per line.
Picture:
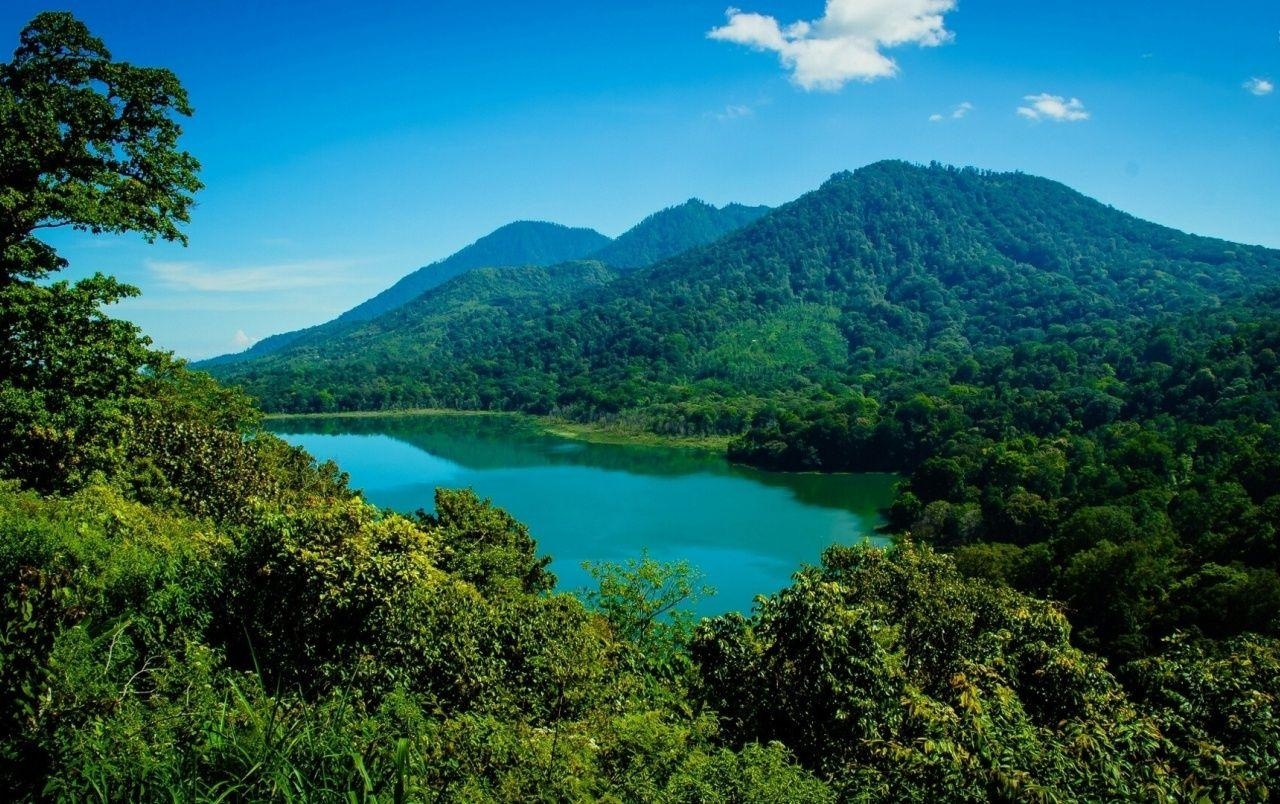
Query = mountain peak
x=674 y=230
x=519 y=243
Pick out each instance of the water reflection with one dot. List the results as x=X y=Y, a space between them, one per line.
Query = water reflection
x=748 y=530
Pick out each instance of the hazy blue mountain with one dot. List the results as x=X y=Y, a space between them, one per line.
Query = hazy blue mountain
x=662 y=235
x=521 y=243
x=675 y=230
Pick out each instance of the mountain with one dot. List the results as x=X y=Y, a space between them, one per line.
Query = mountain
x=477 y=302
x=1079 y=403
x=661 y=235
x=875 y=268
x=675 y=230
x=521 y=243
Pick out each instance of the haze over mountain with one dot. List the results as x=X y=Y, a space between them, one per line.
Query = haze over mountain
x=538 y=244
x=873 y=268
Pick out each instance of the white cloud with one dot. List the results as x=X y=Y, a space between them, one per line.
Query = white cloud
x=241 y=340
x=734 y=111
x=957 y=112
x=1260 y=86
x=1053 y=107
x=283 y=276
x=845 y=44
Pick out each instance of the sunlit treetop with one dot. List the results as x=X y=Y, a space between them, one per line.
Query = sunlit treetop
x=86 y=142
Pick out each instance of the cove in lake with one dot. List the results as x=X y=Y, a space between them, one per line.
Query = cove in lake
x=748 y=530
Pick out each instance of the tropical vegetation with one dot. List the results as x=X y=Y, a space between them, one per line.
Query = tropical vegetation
x=194 y=610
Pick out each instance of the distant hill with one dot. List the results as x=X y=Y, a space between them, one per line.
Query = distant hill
x=675 y=230
x=516 y=244
x=477 y=302
x=661 y=235
x=875 y=267
x=521 y=243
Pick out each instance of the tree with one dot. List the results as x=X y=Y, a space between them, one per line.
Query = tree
x=649 y=604
x=86 y=142
x=892 y=677
x=485 y=545
x=89 y=143
x=69 y=374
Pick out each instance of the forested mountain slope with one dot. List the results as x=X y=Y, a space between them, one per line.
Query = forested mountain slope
x=516 y=244
x=527 y=243
x=875 y=268
x=675 y=230
x=470 y=306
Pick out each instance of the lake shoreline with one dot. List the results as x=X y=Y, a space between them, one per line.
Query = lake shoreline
x=551 y=425
x=748 y=529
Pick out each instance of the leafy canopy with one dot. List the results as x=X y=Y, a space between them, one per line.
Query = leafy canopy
x=86 y=142
x=90 y=143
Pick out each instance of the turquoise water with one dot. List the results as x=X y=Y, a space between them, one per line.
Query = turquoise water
x=746 y=529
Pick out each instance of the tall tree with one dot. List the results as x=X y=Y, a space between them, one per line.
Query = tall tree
x=92 y=144
x=86 y=142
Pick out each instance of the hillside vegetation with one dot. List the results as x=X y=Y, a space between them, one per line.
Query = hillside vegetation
x=523 y=243
x=530 y=244
x=674 y=231
x=193 y=610
x=905 y=261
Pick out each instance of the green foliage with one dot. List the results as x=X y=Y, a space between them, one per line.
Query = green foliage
x=479 y=303
x=178 y=394
x=648 y=604
x=319 y=589
x=486 y=546
x=67 y=374
x=1219 y=706
x=374 y=674
x=90 y=143
x=674 y=231
x=896 y=679
x=107 y=601
x=796 y=339
x=86 y=142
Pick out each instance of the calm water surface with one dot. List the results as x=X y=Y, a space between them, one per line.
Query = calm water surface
x=746 y=529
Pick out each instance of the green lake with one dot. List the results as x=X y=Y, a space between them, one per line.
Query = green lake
x=746 y=529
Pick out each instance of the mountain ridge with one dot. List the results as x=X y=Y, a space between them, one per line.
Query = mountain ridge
x=531 y=243
x=873 y=267
x=518 y=243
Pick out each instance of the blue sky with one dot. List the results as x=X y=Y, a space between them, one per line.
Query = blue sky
x=345 y=144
